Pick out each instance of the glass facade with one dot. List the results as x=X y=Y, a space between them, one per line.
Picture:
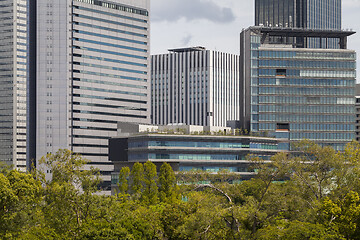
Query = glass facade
x=312 y=14
x=303 y=93
x=196 y=152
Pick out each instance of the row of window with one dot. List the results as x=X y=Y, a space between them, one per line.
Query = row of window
x=307 y=55
x=302 y=100
x=307 y=64
x=110 y=52
x=346 y=137
x=110 y=91
x=155 y=156
x=110 y=37
x=109 y=106
x=110 y=14
x=309 y=127
x=110 y=75
x=110 y=68
x=304 y=91
x=304 y=73
x=110 y=83
x=116 y=6
x=109 y=44
x=109 y=29
x=109 y=60
x=304 y=82
x=304 y=118
x=109 y=98
x=187 y=144
x=109 y=21
x=302 y=109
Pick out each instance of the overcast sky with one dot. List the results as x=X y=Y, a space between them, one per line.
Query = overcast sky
x=216 y=24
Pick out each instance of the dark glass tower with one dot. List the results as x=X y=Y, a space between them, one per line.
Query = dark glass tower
x=310 y=14
x=314 y=14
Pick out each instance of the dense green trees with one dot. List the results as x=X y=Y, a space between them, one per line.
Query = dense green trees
x=311 y=194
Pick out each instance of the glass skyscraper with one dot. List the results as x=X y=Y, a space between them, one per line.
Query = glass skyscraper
x=90 y=68
x=313 y=14
x=298 y=93
x=309 y=14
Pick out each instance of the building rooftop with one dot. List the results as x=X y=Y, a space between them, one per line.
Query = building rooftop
x=188 y=49
x=302 y=33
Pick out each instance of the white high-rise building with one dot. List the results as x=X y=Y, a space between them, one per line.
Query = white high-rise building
x=13 y=81
x=92 y=70
x=195 y=86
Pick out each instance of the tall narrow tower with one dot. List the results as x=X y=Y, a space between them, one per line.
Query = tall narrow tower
x=13 y=80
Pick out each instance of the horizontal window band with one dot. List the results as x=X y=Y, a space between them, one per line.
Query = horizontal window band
x=95 y=128
x=110 y=14
x=94 y=120
x=93 y=154
x=110 y=75
x=90 y=145
x=109 y=99
x=110 y=37
x=91 y=137
x=116 y=6
x=110 y=68
x=109 y=106
x=109 y=91
x=109 y=29
x=109 y=21
x=109 y=83
x=109 y=44
x=110 y=52
x=109 y=114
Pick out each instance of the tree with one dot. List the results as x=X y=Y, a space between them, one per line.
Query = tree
x=123 y=180
x=137 y=178
x=150 y=194
x=167 y=184
x=69 y=197
x=342 y=216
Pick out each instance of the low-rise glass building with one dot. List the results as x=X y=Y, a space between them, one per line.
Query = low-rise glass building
x=192 y=150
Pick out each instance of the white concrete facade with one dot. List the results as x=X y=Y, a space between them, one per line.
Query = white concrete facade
x=195 y=86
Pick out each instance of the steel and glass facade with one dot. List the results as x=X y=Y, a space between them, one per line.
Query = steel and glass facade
x=195 y=86
x=299 y=93
x=310 y=14
x=13 y=80
x=92 y=70
x=313 y=14
x=192 y=152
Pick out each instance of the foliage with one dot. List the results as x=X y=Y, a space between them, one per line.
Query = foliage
x=312 y=193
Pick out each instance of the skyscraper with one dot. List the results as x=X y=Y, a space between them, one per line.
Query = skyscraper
x=13 y=80
x=313 y=14
x=195 y=86
x=309 y=14
x=298 y=93
x=91 y=60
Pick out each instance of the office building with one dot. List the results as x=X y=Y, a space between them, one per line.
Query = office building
x=13 y=80
x=188 y=148
x=91 y=61
x=195 y=86
x=298 y=93
x=357 y=110
x=309 y=14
